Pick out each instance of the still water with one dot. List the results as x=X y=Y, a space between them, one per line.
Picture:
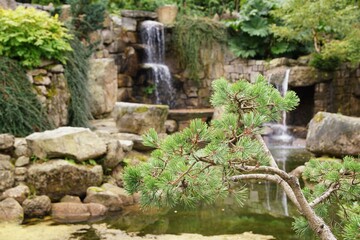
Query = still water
x=267 y=210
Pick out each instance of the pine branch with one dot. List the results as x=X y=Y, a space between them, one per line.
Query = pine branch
x=272 y=178
x=267 y=151
x=333 y=187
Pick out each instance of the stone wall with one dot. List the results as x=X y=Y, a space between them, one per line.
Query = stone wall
x=52 y=91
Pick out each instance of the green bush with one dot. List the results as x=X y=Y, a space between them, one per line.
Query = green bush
x=324 y=63
x=20 y=111
x=29 y=35
x=47 y=2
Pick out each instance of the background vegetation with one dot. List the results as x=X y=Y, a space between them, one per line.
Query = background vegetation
x=20 y=111
x=29 y=35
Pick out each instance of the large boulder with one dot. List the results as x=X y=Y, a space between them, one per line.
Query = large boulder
x=7 y=176
x=57 y=178
x=139 y=118
x=334 y=134
x=38 y=206
x=76 y=143
x=69 y=212
x=11 y=211
x=102 y=85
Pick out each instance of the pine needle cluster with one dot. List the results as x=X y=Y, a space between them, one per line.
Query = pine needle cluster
x=195 y=165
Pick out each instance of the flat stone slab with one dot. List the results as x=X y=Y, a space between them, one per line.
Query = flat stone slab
x=138 y=14
x=76 y=143
x=188 y=114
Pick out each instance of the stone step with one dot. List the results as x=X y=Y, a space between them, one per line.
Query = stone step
x=188 y=114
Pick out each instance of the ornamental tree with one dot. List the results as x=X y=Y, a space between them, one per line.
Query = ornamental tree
x=202 y=163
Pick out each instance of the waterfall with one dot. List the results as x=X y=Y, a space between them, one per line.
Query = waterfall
x=152 y=35
x=280 y=129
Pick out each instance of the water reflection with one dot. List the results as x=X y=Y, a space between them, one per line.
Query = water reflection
x=266 y=211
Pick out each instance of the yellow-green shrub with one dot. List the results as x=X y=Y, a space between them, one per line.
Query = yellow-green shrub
x=29 y=35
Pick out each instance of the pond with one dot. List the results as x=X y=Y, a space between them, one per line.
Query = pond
x=266 y=211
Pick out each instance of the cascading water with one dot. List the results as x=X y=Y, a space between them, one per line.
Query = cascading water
x=152 y=35
x=280 y=129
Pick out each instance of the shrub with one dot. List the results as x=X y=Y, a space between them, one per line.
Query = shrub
x=29 y=35
x=20 y=111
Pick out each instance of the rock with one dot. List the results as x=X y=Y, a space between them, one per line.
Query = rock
x=106 y=36
x=115 y=154
x=125 y=197
x=124 y=80
x=6 y=175
x=8 y=4
x=127 y=145
x=57 y=178
x=4 y=157
x=118 y=176
x=6 y=141
x=189 y=114
x=167 y=14
x=107 y=198
x=129 y=24
x=39 y=206
x=42 y=80
x=19 y=193
x=138 y=14
x=76 y=143
x=22 y=161
x=171 y=126
x=136 y=139
x=334 y=134
x=21 y=148
x=102 y=85
x=67 y=212
x=68 y=198
x=11 y=211
x=107 y=125
x=70 y=212
x=139 y=118
x=58 y=68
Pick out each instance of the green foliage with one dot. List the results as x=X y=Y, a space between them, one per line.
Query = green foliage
x=20 y=111
x=344 y=177
x=251 y=35
x=29 y=35
x=331 y=26
x=321 y=62
x=86 y=16
x=47 y=2
x=191 y=35
x=76 y=74
x=195 y=165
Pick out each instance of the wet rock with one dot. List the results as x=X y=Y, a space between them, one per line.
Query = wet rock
x=11 y=211
x=6 y=141
x=107 y=198
x=7 y=178
x=77 y=143
x=38 y=206
x=139 y=118
x=334 y=134
x=125 y=197
x=102 y=85
x=68 y=212
x=57 y=178
x=19 y=193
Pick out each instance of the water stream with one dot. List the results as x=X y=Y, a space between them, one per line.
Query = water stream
x=152 y=35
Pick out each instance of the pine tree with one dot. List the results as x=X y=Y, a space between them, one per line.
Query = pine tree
x=202 y=163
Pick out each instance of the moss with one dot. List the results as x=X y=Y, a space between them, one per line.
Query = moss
x=141 y=109
x=318 y=117
x=96 y=189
